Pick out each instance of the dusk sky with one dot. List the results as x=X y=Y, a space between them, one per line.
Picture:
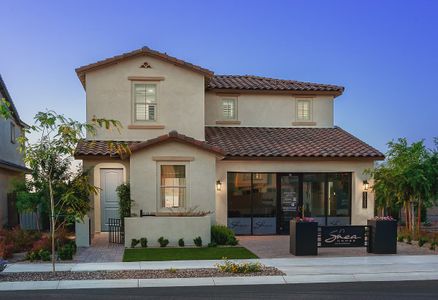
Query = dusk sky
x=385 y=53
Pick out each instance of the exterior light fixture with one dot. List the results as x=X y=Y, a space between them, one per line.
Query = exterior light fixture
x=365 y=194
x=218 y=185
x=365 y=185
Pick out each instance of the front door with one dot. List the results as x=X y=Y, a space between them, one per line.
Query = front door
x=289 y=196
x=110 y=179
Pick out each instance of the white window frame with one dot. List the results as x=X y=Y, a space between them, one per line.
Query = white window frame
x=154 y=104
x=234 y=101
x=183 y=207
x=297 y=110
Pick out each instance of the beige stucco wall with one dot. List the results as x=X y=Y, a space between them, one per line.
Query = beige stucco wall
x=171 y=228
x=358 y=214
x=94 y=167
x=269 y=110
x=180 y=99
x=9 y=151
x=200 y=173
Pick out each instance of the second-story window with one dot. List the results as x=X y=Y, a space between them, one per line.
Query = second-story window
x=13 y=136
x=229 y=108
x=145 y=101
x=304 y=110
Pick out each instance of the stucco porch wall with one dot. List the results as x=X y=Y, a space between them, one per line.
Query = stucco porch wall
x=359 y=215
x=171 y=228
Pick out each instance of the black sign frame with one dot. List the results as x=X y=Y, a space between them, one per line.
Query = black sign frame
x=343 y=236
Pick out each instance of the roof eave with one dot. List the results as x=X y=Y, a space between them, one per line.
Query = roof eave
x=275 y=92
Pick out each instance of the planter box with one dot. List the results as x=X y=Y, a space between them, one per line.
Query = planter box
x=303 y=238
x=382 y=237
x=171 y=228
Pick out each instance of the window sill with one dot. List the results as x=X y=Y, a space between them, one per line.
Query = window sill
x=146 y=126
x=228 y=122
x=304 y=123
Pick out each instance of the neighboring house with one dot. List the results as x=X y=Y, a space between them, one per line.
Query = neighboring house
x=255 y=151
x=11 y=160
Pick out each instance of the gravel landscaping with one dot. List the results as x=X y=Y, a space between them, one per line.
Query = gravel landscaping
x=132 y=274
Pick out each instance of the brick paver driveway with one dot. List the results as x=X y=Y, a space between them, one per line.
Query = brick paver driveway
x=100 y=251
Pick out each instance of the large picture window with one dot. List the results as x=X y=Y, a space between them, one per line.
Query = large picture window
x=173 y=186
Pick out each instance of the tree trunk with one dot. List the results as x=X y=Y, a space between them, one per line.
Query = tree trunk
x=408 y=226
x=419 y=216
x=412 y=219
x=52 y=224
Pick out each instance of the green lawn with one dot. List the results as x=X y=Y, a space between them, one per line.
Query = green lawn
x=149 y=254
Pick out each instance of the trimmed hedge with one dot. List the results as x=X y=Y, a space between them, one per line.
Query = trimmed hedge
x=222 y=235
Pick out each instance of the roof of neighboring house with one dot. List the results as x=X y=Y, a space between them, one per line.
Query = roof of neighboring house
x=109 y=148
x=256 y=143
x=263 y=142
x=14 y=167
x=144 y=51
x=250 y=82
x=219 y=82
x=5 y=93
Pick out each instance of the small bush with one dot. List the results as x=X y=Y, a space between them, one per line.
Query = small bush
x=20 y=239
x=33 y=255
x=66 y=252
x=44 y=255
x=198 y=241
x=42 y=243
x=163 y=242
x=232 y=267
x=6 y=249
x=181 y=242
x=409 y=239
x=134 y=243
x=172 y=270
x=422 y=240
x=144 y=242
x=222 y=235
x=400 y=238
x=433 y=245
x=212 y=244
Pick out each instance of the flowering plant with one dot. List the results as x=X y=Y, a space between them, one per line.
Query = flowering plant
x=384 y=218
x=3 y=264
x=304 y=219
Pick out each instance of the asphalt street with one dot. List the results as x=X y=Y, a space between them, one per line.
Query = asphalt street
x=357 y=290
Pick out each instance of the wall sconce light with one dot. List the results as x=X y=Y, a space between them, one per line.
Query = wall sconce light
x=365 y=194
x=365 y=185
x=218 y=185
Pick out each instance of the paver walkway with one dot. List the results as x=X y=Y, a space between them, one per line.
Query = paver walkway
x=100 y=251
x=277 y=246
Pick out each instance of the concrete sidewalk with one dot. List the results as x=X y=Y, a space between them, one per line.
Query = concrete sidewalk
x=297 y=270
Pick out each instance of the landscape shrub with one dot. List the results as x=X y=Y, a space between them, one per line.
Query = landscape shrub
x=144 y=242
x=409 y=239
x=163 y=242
x=42 y=244
x=181 y=242
x=134 y=243
x=44 y=255
x=222 y=235
x=6 y=249
x=245 y=267
x=433 y=245
x=400 y=238
x=422 y=240
x=21 y=240
x=212 y=244
x=66 y=252
x=198 y=241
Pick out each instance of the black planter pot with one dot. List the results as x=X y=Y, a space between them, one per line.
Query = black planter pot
x=382 y=237
x=303 y=238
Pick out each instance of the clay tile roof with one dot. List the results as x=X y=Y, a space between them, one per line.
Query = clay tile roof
x=262 y=142
x=103 y=148
x=146 y=51
x=175 y=136
x=250 y=82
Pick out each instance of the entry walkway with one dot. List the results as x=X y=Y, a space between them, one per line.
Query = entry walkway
x=277 y=246
x=100 y=251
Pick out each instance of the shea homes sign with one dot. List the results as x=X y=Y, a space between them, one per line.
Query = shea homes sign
x=343 y=236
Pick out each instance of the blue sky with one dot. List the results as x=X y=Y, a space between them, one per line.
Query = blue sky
x=385 y=53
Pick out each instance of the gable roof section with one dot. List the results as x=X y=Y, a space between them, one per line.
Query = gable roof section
x=5 y=93
x=144 y=51
x=261 y=142
x=257 y=83
x=102 y=148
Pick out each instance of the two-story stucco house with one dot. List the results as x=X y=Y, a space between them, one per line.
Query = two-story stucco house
x=11 y=160
x=254 y=151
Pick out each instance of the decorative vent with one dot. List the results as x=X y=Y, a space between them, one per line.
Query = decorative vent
x=145 y=65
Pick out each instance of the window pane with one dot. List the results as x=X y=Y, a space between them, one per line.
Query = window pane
x=140 y=93
x=303 y=110
x=140 y=112
x=339 y=199
x=239 y=202
x=313 y=197
x=151 y=112
x=173 y=182
x=151 y=93
x=229 y=109
x=264 y=203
